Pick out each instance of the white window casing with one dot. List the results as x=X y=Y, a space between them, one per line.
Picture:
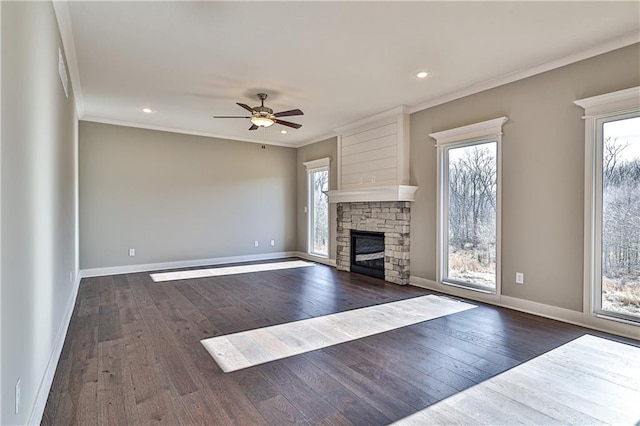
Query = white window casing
x=598 y=110
x=486 y=131
x=320 y=163
x=313 y=166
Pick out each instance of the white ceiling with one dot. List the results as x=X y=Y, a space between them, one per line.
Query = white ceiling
x=337 y=61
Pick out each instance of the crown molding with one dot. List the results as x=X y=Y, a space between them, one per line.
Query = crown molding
x=176 y=130
x=63 y=16
x=320 y=138
x=596 y=50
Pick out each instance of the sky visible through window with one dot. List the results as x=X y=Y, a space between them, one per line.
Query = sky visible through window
x=626 y=131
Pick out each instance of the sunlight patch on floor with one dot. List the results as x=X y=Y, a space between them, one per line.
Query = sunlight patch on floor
x=589 y=380
x=248 y=348
x=228 y=270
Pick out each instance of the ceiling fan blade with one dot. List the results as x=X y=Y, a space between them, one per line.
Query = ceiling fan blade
x=288 y=123
x=245 y=106
x=288 y=113
x=228 y=116
x=253 y=127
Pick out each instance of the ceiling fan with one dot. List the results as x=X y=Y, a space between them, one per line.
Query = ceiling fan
x=261 y=116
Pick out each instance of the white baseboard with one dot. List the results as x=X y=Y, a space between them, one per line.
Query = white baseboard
x=130 y=269
x=318 y=259
x=548 y=311
x=47 y=380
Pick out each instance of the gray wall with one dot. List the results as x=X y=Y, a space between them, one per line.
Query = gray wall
x=543 y=173
x=38 y=200
x=177 y=197
x=323 y=149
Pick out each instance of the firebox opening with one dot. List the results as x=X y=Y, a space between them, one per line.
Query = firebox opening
x=367 y=253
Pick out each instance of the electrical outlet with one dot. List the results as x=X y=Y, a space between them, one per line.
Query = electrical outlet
x=273 y=243
x=18 y=391
x=132 y=252
x=519 y=278
x=256 y=243
x=305 y=209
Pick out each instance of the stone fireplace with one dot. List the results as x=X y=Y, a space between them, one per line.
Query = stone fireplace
x=392 y=218
x=374 y=193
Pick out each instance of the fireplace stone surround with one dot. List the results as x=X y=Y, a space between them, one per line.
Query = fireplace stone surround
x=389 y=217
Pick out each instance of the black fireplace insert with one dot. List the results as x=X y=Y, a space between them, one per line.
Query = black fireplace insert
x=367 y=253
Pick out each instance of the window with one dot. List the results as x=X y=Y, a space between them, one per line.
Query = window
x=318 y=225
x=470 y=194
x=618 y=199
x=612 y=205
x=469 y=205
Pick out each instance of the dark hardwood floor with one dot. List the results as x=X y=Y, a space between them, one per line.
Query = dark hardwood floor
x=133 y=354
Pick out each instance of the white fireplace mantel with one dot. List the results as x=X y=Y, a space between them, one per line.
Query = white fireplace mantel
x=373 y=194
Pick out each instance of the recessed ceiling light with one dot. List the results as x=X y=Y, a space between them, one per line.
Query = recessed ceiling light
x=146 y=110
x=422 y=74
x=284 y=132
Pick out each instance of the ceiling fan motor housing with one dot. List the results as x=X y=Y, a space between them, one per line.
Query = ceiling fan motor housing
x=262 y=111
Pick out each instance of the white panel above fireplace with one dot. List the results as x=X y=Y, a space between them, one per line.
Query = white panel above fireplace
x=374 y=152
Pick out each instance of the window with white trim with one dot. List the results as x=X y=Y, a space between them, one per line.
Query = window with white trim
x=469 y=178
x=612 y=205
x=318 y=211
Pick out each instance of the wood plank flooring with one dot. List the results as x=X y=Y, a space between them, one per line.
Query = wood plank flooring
x=133 y=354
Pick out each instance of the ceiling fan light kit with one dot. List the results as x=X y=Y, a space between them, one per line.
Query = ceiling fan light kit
x=262 y=121
x=261 y=116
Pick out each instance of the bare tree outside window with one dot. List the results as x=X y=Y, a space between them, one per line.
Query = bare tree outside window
x=472 y=215
x=621 y=217
x=319 y=182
